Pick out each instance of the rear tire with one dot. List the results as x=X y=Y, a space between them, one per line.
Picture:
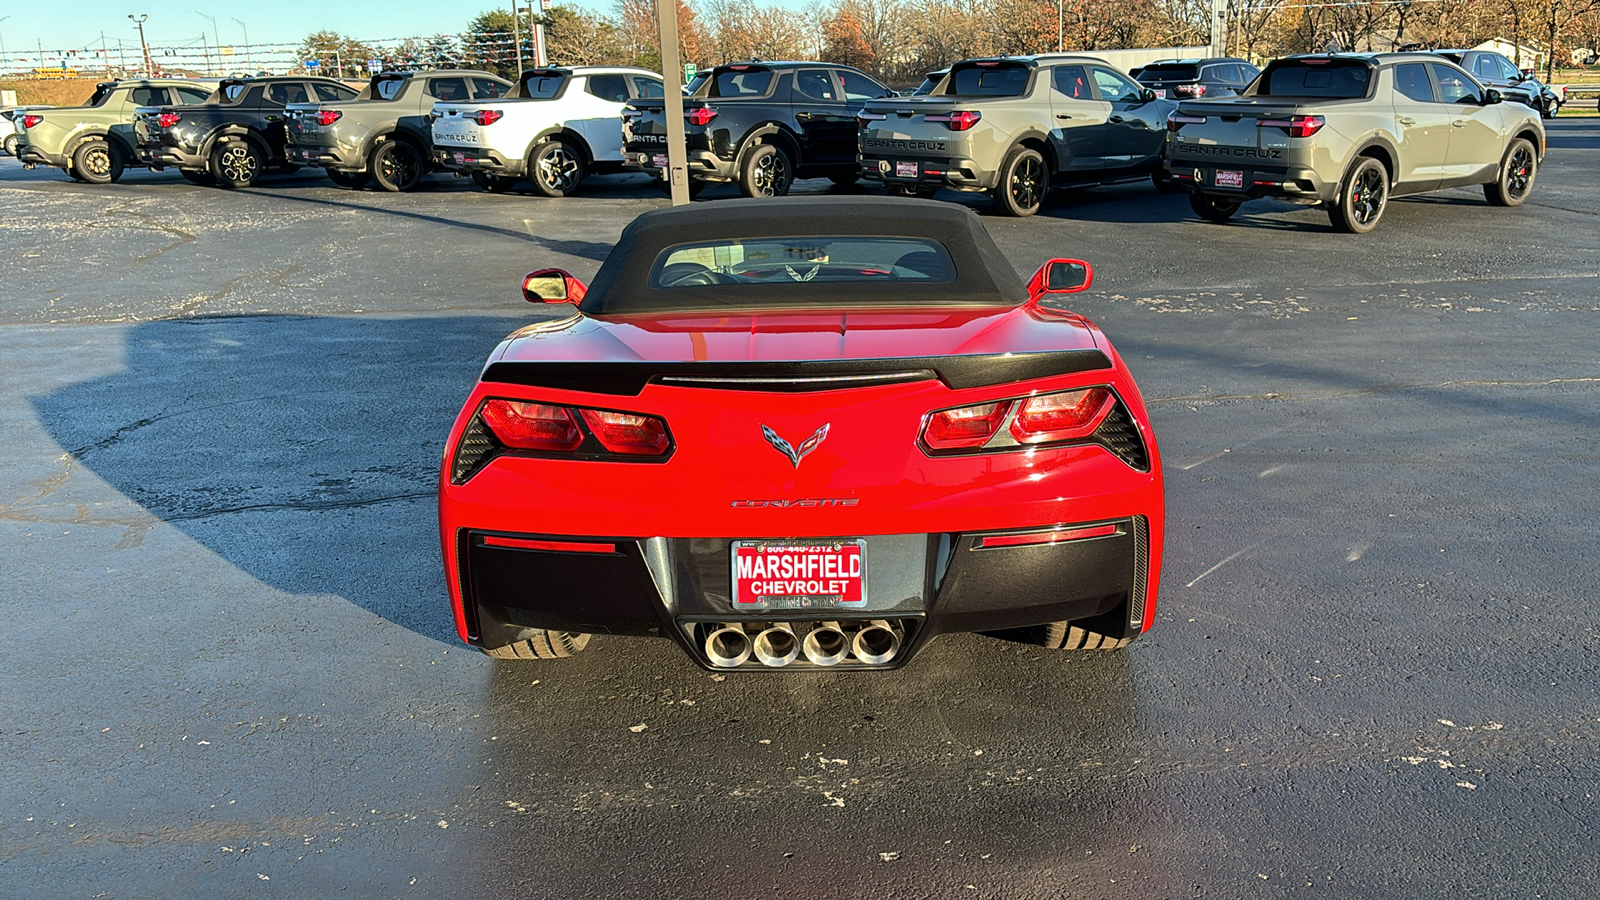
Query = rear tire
x=555 y=169
x=845 y=180
x=236 y=163
x=1024 y=182
x=542 y=644
x=494 y=184
x=1163 y=182
x=348 y=179
x=97 y=162
x=1515 y=179
x=766 y=172
x=1211 y=209
x=11 y=145
x=1363 y=195
x=396 y=166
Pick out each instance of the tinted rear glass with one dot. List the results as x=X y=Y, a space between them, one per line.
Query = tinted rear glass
x=1337 y=79
x=101 y=94
x=543 y=87
x=1169 y=72
x=802 y=260
x=388 y=88
x=736 y=83
x=988 y=81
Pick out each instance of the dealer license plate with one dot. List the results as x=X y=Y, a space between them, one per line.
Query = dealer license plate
x=905 y=170
x=1230 y=179
x=659 y=160
x=799 y=574
x=459 y=158
x=1161 y=93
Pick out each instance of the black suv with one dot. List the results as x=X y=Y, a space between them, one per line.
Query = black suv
x=1492 y=69
x=1197 y=79
x=760 y=125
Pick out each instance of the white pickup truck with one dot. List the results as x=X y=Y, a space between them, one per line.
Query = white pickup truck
x=557 y=126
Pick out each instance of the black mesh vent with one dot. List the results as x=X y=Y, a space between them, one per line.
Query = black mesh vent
x=1138 y=602
x=1120 y=435
x=476 y=447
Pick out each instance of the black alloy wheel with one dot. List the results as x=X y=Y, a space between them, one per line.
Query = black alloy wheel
x=1023 y=183
x=1362 y=197
x=236 y=164
x=1517 y=172
x=766 y=172
x=396 y=166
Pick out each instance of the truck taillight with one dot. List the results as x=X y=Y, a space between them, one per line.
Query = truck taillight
x=1063 y=416
x=864 y=119
x=1295 y=126
x=1176 y=121
x=326 y=117
x=965 y=428
x=700 y=117
x=30 y=121
x=487 y=116
x=956 y=121
x=168 y=119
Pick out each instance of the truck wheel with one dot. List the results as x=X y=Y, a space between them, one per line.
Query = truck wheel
x=494 y=184
x=97 y=162
x=1023 y=183
x=236 y=163
x=542 y=645
x=195 y=176
x=845 y=179
x=1517 y=172
x=766 y=172
x=555 y=169
x=396 y=166
x=348 y=179
x=11 y=145
x=1163 y=182
x=1212 y=209
x=695 y=187
x=1362 y=196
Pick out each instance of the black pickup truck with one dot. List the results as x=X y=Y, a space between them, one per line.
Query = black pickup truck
x=235 y=135
x=760 y=125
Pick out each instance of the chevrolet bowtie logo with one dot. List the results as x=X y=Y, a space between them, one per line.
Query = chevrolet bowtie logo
x=788 y=449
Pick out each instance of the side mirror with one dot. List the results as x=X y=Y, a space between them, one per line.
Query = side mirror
x=553 y=286
x=1147 y=95
x=1060 y=276
x=1491 y=97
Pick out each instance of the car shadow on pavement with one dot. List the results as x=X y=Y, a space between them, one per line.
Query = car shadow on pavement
x=303 y=451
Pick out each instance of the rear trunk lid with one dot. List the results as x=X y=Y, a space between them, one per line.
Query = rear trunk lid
x=912 y=126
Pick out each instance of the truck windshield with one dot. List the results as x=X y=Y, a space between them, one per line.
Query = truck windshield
x=1335 y=79
x=988 y=79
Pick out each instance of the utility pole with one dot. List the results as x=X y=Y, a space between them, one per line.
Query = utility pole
x=205 y=51
x=149 y=67
x=1219 y=27
x=105 y=57
x=516 y=38
x=217 y=38
x=248 y=62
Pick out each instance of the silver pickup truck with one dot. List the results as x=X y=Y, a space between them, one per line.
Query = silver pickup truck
x=1345 y=132
x=1015 y=127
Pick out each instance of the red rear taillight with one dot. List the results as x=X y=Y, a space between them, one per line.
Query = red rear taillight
x=1176 y=121
x=487 y=116
x=630 y=433
x=168 y=119
x=700 y=117
x=1295 y=126
x=1064 y=416
x=532 y=426
x=326 y=117
x=30 y=121
x=956 y=121
x=966 y=428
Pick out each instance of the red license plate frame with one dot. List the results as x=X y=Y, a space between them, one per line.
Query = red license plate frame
x=799 y=574
x=1229 y=178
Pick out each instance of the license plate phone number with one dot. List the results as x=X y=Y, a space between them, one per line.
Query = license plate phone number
x=787 y=574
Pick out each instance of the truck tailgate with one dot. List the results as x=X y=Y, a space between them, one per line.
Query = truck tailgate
x=456 y=124
x=900 y=125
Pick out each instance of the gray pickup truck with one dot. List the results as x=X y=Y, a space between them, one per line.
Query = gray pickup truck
x=95 y=142
x=385 y=134
x=1345 y=132
x=1015 y=127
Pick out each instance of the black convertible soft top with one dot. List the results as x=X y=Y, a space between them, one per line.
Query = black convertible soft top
x=983 y=277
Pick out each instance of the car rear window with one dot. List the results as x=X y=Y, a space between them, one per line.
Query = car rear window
x=988 y=79
x=1168 y=72
x=543 y=86
x=741 y=81
x=1335 y=79
x=388 y=88
x=810 y=259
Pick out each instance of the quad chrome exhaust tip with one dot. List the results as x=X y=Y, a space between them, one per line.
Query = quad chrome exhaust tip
x=826 y=645
x=727 y=646
x=777 y=646
x=876 y=644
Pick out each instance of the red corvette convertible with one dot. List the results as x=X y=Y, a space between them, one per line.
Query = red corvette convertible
x=806 y=434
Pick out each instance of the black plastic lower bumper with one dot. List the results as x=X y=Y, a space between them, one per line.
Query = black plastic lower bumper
x=933 y=583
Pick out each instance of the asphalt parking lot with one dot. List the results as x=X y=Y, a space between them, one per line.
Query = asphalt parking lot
x=229 y=668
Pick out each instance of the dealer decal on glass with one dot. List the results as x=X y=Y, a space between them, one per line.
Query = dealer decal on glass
x=799 y=574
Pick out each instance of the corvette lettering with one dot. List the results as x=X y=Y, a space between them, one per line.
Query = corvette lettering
x=1242 y=152
x=808 y=503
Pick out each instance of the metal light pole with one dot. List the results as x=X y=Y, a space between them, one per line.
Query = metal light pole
x=248 y=62
x=149 y=67
x=516 y=38
x=217 y=39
